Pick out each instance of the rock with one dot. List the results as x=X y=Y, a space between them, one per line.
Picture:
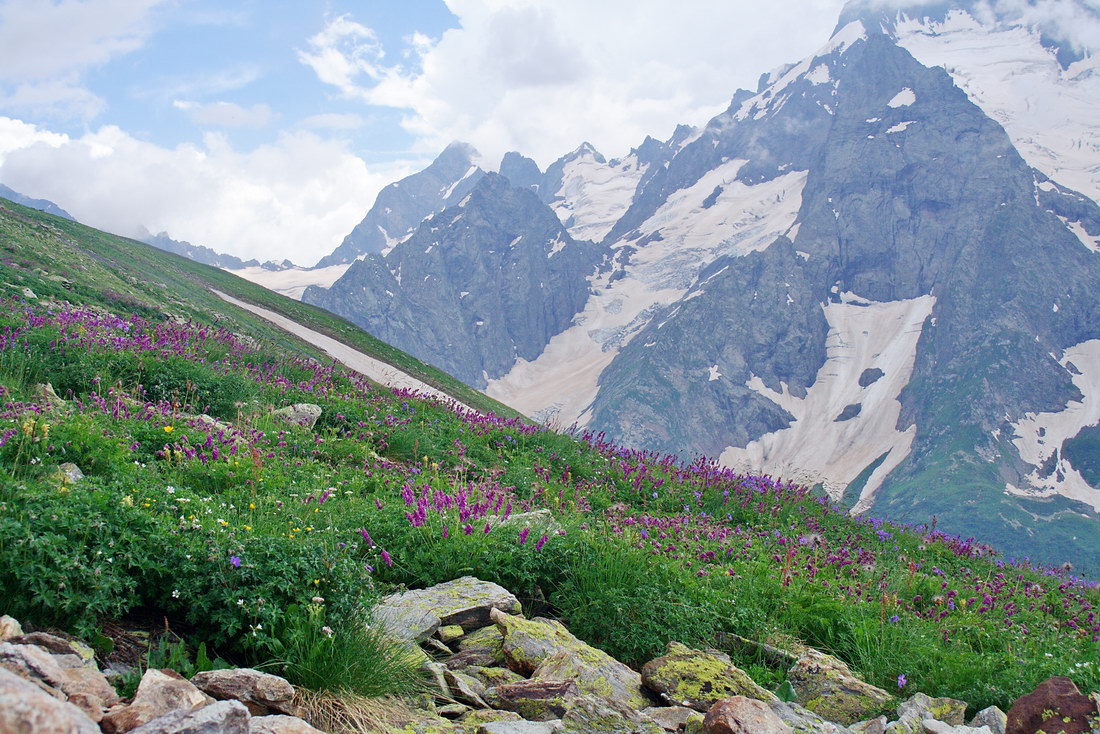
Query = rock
x=695 y=724
x=466 y=688
x=280 y=724
x=537 y=700
x=741 y=715
x=45 y=394
x=451 y=632
x=452 y=710
x=669 y=718
x=300 y=414
x=542 y=520
x=467 y=601
x=478 y=717
x=485 y=640
x=222 y=717
x=25 y=708
x=517 y=727
x=491 y=677
x=919 y=707
x=594 y=715
x=51 y=643
x=827 y=686
x=159 y=692
x=470 y=659
x=261 y=693
x=804 y=721
x=931 y=726
x=9 y=627
x=89 y=690
x=546 y=649
x=29 y=294
x=438 y=647
x=31 y=662
x=68 y=473
x=687 y=677
x=992 y=717
x=872 y=726
x=1054 y=705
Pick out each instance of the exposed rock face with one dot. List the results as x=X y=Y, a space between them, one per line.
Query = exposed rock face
x=301 y=414
x=697 y=679
x=537 y=700
x=467 y=602
x=593 y=715
x=160 y=692
x=548 y=651
x=1055 y=705
x=261 y=693
x=26 y=708
x=826 y=686
x=740 y=715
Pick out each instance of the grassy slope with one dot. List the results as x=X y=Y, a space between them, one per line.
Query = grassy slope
x=112 y=271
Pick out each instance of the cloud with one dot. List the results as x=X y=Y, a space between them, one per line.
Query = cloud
x=540 y=76
x=333 y=121
x=295 y=198
x=226 y=114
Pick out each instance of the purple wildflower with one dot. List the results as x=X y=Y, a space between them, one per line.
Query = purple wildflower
x=235 y=561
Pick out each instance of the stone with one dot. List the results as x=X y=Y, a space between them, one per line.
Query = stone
x=547 y=650
x=669 y=718
x=449 y=633
x=222 y=717
x=435 y=646
x=472 y=658
x=31 y=662
x=698 y=680
x=261 y=693
x=537 y=700
x=51 y=643
x=477 y=717
x=804 y=721
x=68 y=473
x=871 y=726
x=742 y=715
x=1054 y=706
x=695 y=724
x=517 y=727
x=29 y=294
x=9 y=627
x=280 y=724
x=45 y=394
x=25 y=708
x=89 y=690
x=466 y=688
x=594 y=715
x=992 y=717
x=919 y=706
x=300 y=414
x=825 y=685
x=452 y=710
x=416 y=615
x=491 y=677
x=486 y=640
x=159 y=692
x=931 y=726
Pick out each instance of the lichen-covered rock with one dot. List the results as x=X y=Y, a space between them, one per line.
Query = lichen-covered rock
x=1056 y=705
x=31 y=662
x=741 y=715
x=477 y=717
x=804 y=721
x=548 y=651
x=9 y=627
x=948 y=710
x=594 y=715
x=993 y=717
x=466 y=688
x=695 y=724
x=871 y=726
x=491 y=677
x=827 y=686
x=486 y=640
x=537 y=700
x=261 y=693
x=222 y=717
x=46 y=395
x=158 y=693
x=280 y=724
x=697 y=679
x=300 y=414
x=450 y=633
x=416 y=615
x=670 y=718
x=931 y=726
x=518 y=727
x=69 y=473
x=24 y=707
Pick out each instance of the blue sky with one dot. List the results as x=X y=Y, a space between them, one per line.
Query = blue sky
x=265 y=128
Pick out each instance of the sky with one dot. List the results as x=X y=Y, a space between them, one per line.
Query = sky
x=265 y=128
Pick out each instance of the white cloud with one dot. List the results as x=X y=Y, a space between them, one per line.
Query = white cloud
x=333 y=121
x=225 y=114
x=295 y=198
x=540 y=76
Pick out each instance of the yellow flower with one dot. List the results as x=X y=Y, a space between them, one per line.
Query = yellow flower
x=127 y=501
x=252 y=505
x=169 y=429
x=247 y=527
x=316 y=582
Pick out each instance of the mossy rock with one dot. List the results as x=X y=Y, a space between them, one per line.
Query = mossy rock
x=826 y=686
x=594 y=715
x=698 y=680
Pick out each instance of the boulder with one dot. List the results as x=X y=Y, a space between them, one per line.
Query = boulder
x=24 y=708
x=594 y=715
x=1054 y=706
x=697 y=679
x=158 y=693
x=804 y=721
x=669 y=718
x=931 y=726
x=300 y=414
x=476 y=718
x=9 y=627
x=920 y=707
x=827 y=686
x=537 y=700
x=992 y=717
x=88 y=690
x=466 y=688
x=742 y=715
x=222 y=717
x=492 y=677
x=486 y=640
x=452 y=710
x=467 y=601
x=518 y=727
x=31 y=662
x=68 y=473
x=872 y=726
x=450 y=633
x=280 y=724
x=546 y=649
x=45 y=395
x=261 y=693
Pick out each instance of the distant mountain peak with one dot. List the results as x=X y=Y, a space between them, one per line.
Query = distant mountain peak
x=43 y=205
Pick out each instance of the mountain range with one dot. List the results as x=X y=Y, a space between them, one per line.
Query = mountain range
x=877 y=274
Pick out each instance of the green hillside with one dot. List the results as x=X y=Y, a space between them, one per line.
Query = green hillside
x=262 y=540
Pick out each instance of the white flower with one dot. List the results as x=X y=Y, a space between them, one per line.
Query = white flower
x=170 y=489
x=328 y=631
x=240 y=602
x=175 y=593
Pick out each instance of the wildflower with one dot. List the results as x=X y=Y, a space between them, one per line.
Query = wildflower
x=169 y=429
x=523 y=535
x=328 y=631
x=235 y=561
x=127 y=501
x=175 y=593
x=318 y=600
x=542 y=542
x=902 y=680
x=366 y=537
x=386 y=558
x=893 y=619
